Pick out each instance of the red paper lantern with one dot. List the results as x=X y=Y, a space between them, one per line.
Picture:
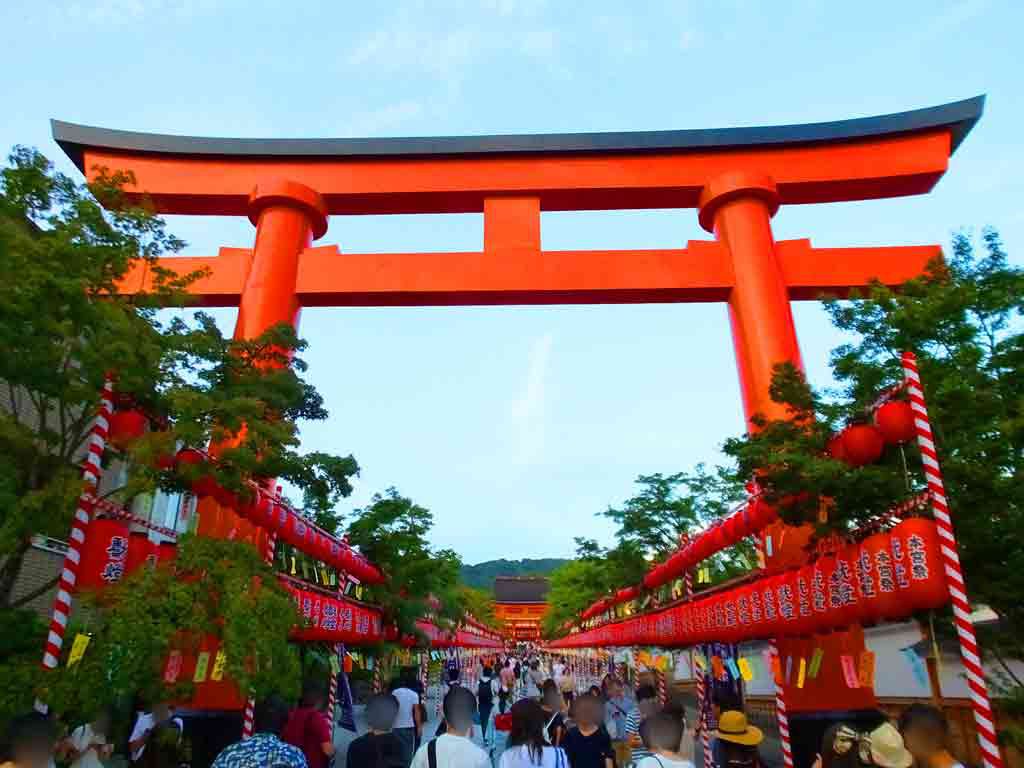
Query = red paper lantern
x=895 y=421
x=140 y=549
x=126 y=426
x=793 y=599
x=835 y=448
x=820 y=571
x=862 y=444
x=918 y=542
x=842 y=589
x=885 y=603
x=104 y=554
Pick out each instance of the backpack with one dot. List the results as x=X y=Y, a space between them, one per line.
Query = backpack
x=484 y=694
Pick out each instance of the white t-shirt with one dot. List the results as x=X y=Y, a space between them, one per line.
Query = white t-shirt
x=557 y=670
x=519 y=757
x=407 y=700
x=80 y=739
x=452 y=752
x=143 y=723
x=653 y=762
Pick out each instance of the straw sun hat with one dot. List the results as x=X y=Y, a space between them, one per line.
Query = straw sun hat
x=733 y=726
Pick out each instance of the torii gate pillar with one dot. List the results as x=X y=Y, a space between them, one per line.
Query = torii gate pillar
x=737 y=207
x=288 y=217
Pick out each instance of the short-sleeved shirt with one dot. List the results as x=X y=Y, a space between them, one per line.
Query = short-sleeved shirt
x=588 y=751
x=81 y=739
x=308 y=729
x=633 y=721
x=452 y=752
x=520 y=757
x=263 y=750
x=376 y=751
x=615 y=713
x=407 y=701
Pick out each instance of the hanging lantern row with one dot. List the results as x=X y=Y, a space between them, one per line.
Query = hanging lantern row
x=886 y=577
x=273 y=515
x=466 y=636
x=335 y=620
x=862 y=444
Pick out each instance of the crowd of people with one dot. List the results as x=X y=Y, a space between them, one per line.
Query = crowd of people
x=547 y=724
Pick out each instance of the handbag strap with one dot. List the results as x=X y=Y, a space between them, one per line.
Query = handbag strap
x=432 y=753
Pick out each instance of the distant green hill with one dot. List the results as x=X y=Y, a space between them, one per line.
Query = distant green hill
x=482 y=575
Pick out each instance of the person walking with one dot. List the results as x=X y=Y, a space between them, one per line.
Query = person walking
x=588 y=744
x=380 y=747
x=551 y=704
x=534 y=680
x=646 y=706
x=485 y=700
x=508 y=685
x=308 y=727
x=454 y=748
x=88 y=745
x=527 y=741
x=662 y=734
x=737 y=741
x=408 y=723
x=31 y=740
x=264 y=747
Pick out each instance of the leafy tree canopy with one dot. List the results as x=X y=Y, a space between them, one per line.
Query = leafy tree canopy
x=63 y=328
x=392 y=531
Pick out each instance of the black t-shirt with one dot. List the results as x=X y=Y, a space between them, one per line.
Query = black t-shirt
x=588 y=751
x=369 y=751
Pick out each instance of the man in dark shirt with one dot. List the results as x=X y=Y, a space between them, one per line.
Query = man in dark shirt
x=309 y=729
x=588 y=745
x=379 y=748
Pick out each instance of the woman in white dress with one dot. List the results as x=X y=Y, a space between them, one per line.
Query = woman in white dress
x=527 y=746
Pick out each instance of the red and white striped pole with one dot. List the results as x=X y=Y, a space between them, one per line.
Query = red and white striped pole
x=702 y=719
x=780 y=693
x=332 y=689
x=92 y=470
x=970 y=653
x=249 y=714
x=780 y=713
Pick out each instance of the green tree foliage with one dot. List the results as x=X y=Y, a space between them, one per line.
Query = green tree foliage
x=962 y=319
x=65 y=247
x=650 y=525
x=135 y=624
x=392 y=531
x=479 y=603
x=63 y=327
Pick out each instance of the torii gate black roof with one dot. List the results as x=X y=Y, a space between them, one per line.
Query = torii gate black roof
x=958 y=116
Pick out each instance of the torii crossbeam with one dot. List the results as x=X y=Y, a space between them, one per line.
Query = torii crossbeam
x=736 y=178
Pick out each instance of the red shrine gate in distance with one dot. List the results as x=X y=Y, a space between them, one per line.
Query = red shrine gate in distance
x=736 y=178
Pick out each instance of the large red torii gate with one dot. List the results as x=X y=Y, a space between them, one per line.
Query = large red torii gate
x=737 y=178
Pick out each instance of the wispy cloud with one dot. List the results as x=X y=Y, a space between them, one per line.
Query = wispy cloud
x=527 y=410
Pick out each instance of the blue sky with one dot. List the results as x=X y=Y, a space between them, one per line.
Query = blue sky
x=515 y=425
